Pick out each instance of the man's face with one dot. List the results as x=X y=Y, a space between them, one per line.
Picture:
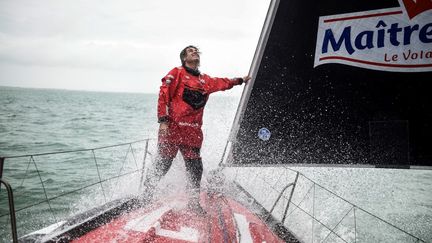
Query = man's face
x=192 y=55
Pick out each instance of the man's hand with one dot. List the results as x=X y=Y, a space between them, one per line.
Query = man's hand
x=163 y=128
x=246 y=79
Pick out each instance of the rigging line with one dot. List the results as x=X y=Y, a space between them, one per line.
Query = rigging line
x=78 y=150
x=144 y=172
x=278 y=181
x=266 y=182
x=290 y=197
x=43 y=186
x=100 y=178
x=133 y=156
x=25 y=176
x=355 y=224
x=313 y=183
x=328 y=190
x=325 y=226
x=236 y=174
x=121 y=169
x=338 y=224
x=356 y=206
x=313 y=212
x=313 y=200
x=124 y=159
x=252 y=177
x=146 y=151
x=415 y=237
x=301 y=201
x=362 y=209
x=19 y=193
x=70 y=192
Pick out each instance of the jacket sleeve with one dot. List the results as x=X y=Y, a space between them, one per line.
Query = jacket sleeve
x=167 y=89
x=220 y=84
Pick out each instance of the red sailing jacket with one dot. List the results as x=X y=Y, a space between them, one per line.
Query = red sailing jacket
x=182 y=98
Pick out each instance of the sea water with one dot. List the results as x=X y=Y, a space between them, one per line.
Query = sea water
x=37 y=121
x=34 y=121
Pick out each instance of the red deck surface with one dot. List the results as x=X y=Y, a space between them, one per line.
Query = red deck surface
x=225 y=221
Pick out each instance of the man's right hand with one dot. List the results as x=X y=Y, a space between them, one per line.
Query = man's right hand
x=246 y=79
x=163 y=128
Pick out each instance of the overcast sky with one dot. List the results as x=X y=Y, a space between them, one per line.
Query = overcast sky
x=125 y=45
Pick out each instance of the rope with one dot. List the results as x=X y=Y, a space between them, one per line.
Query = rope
x=43 y=186
x=340 y=221
x=70 y=192
x=47 y=200
x=381 y=219
x=123 y=164
x=100 y=178
x=133 y=156
x=334 y=194
x=325 y=226
x=78 y=150
x=124 y=161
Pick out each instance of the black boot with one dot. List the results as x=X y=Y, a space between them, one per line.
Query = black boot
x=194 y=202
x=162 y=165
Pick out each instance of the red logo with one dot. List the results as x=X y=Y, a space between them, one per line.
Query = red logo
x=416 y=7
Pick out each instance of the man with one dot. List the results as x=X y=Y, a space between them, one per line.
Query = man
x=183 y=95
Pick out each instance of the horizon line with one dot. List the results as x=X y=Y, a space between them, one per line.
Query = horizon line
x=96 y=91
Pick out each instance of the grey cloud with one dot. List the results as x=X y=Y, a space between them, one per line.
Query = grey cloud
x=130 y=56
x=126 y=36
